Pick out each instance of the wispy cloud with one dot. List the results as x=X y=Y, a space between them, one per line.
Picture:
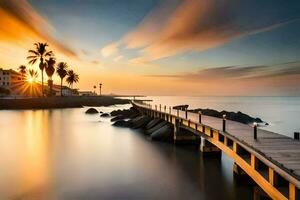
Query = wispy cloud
x=110 y=50
x=188 y=26
x=239 y=72
x=21 y=23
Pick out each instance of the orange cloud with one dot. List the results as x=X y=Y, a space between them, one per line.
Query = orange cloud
x=188 y=26
x=110 y=50
x=21 y=24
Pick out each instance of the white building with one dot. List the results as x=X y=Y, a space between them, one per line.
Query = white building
x=66 y=91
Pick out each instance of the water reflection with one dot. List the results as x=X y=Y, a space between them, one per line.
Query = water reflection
x=65 y=154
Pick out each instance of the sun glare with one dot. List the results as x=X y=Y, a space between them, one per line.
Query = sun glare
x=30 y=80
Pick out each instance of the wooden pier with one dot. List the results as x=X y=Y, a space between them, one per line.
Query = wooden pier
x=271 y=160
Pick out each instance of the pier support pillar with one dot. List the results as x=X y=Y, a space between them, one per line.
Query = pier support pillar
x=176 y=129
x=240 y=176
x=208 y=148
x=259 y=194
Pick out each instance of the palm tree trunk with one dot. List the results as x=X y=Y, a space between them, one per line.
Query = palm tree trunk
x=43 y=83
x=61 y=80
x=51 y=88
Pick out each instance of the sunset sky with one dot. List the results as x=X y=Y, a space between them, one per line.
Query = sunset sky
x=171 y=47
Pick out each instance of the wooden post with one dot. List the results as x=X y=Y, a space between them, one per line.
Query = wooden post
x=224 y=123
x=234 y=147
x=176 y=128
x=186 y=114
x=296 y=135
x=255 y=130
x=254 y=163
x=200 y=117
x=292 y=191
x=177 y=112
x=273 y=178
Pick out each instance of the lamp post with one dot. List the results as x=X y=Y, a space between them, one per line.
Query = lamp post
x=200 y=117
x=296 y=135
x=186 y=114
x=255 y=130
x=224 y=122
x=95 y=89
x=100 y=88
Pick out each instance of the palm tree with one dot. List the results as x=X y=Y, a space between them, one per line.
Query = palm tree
x=95 y=89
x=40 y=53
x=22 y=70
x=50 y=71
x=72 y=78
x=61 y=70
x=33 y=75
x=31 y=78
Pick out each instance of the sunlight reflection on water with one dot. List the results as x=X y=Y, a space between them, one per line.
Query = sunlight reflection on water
x=66 y=154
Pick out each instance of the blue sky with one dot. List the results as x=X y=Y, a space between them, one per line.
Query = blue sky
x=90 y=25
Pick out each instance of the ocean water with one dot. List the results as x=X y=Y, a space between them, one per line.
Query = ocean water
x=282 y=113
x=66 y=154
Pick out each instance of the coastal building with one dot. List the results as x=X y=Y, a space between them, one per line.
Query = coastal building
x=66 y=91
x=10 y=80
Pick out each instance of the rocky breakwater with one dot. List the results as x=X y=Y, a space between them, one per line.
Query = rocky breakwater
x=234 y=116
x=155 y=128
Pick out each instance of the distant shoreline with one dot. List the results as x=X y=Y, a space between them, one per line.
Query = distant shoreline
x=59 y=102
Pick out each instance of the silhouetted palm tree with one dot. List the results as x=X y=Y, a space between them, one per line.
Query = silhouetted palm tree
x=95 y=89
x=22 y=70
x=61 y=70
x=50 y=71
x=72 y=78
x=32 y=75
x=40 y=53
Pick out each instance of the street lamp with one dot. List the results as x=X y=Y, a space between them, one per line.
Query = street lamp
x=255 y=130
x=224 y=122
x=100 y=87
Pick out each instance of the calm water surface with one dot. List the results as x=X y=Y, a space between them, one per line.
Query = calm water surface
x=66 y=154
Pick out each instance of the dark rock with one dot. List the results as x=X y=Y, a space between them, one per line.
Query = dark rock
x=165 y=133
x=153 y=123
x=155 y=128
x=234 y=116
x=126 y=113
x=91 y=111
x=119 y=117
x=140 y=122
x=122 y=123
x=104 y=115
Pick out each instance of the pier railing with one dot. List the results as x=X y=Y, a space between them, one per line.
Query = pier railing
x=272 y=173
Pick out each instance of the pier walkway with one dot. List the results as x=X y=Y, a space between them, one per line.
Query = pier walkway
x=271 y=160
